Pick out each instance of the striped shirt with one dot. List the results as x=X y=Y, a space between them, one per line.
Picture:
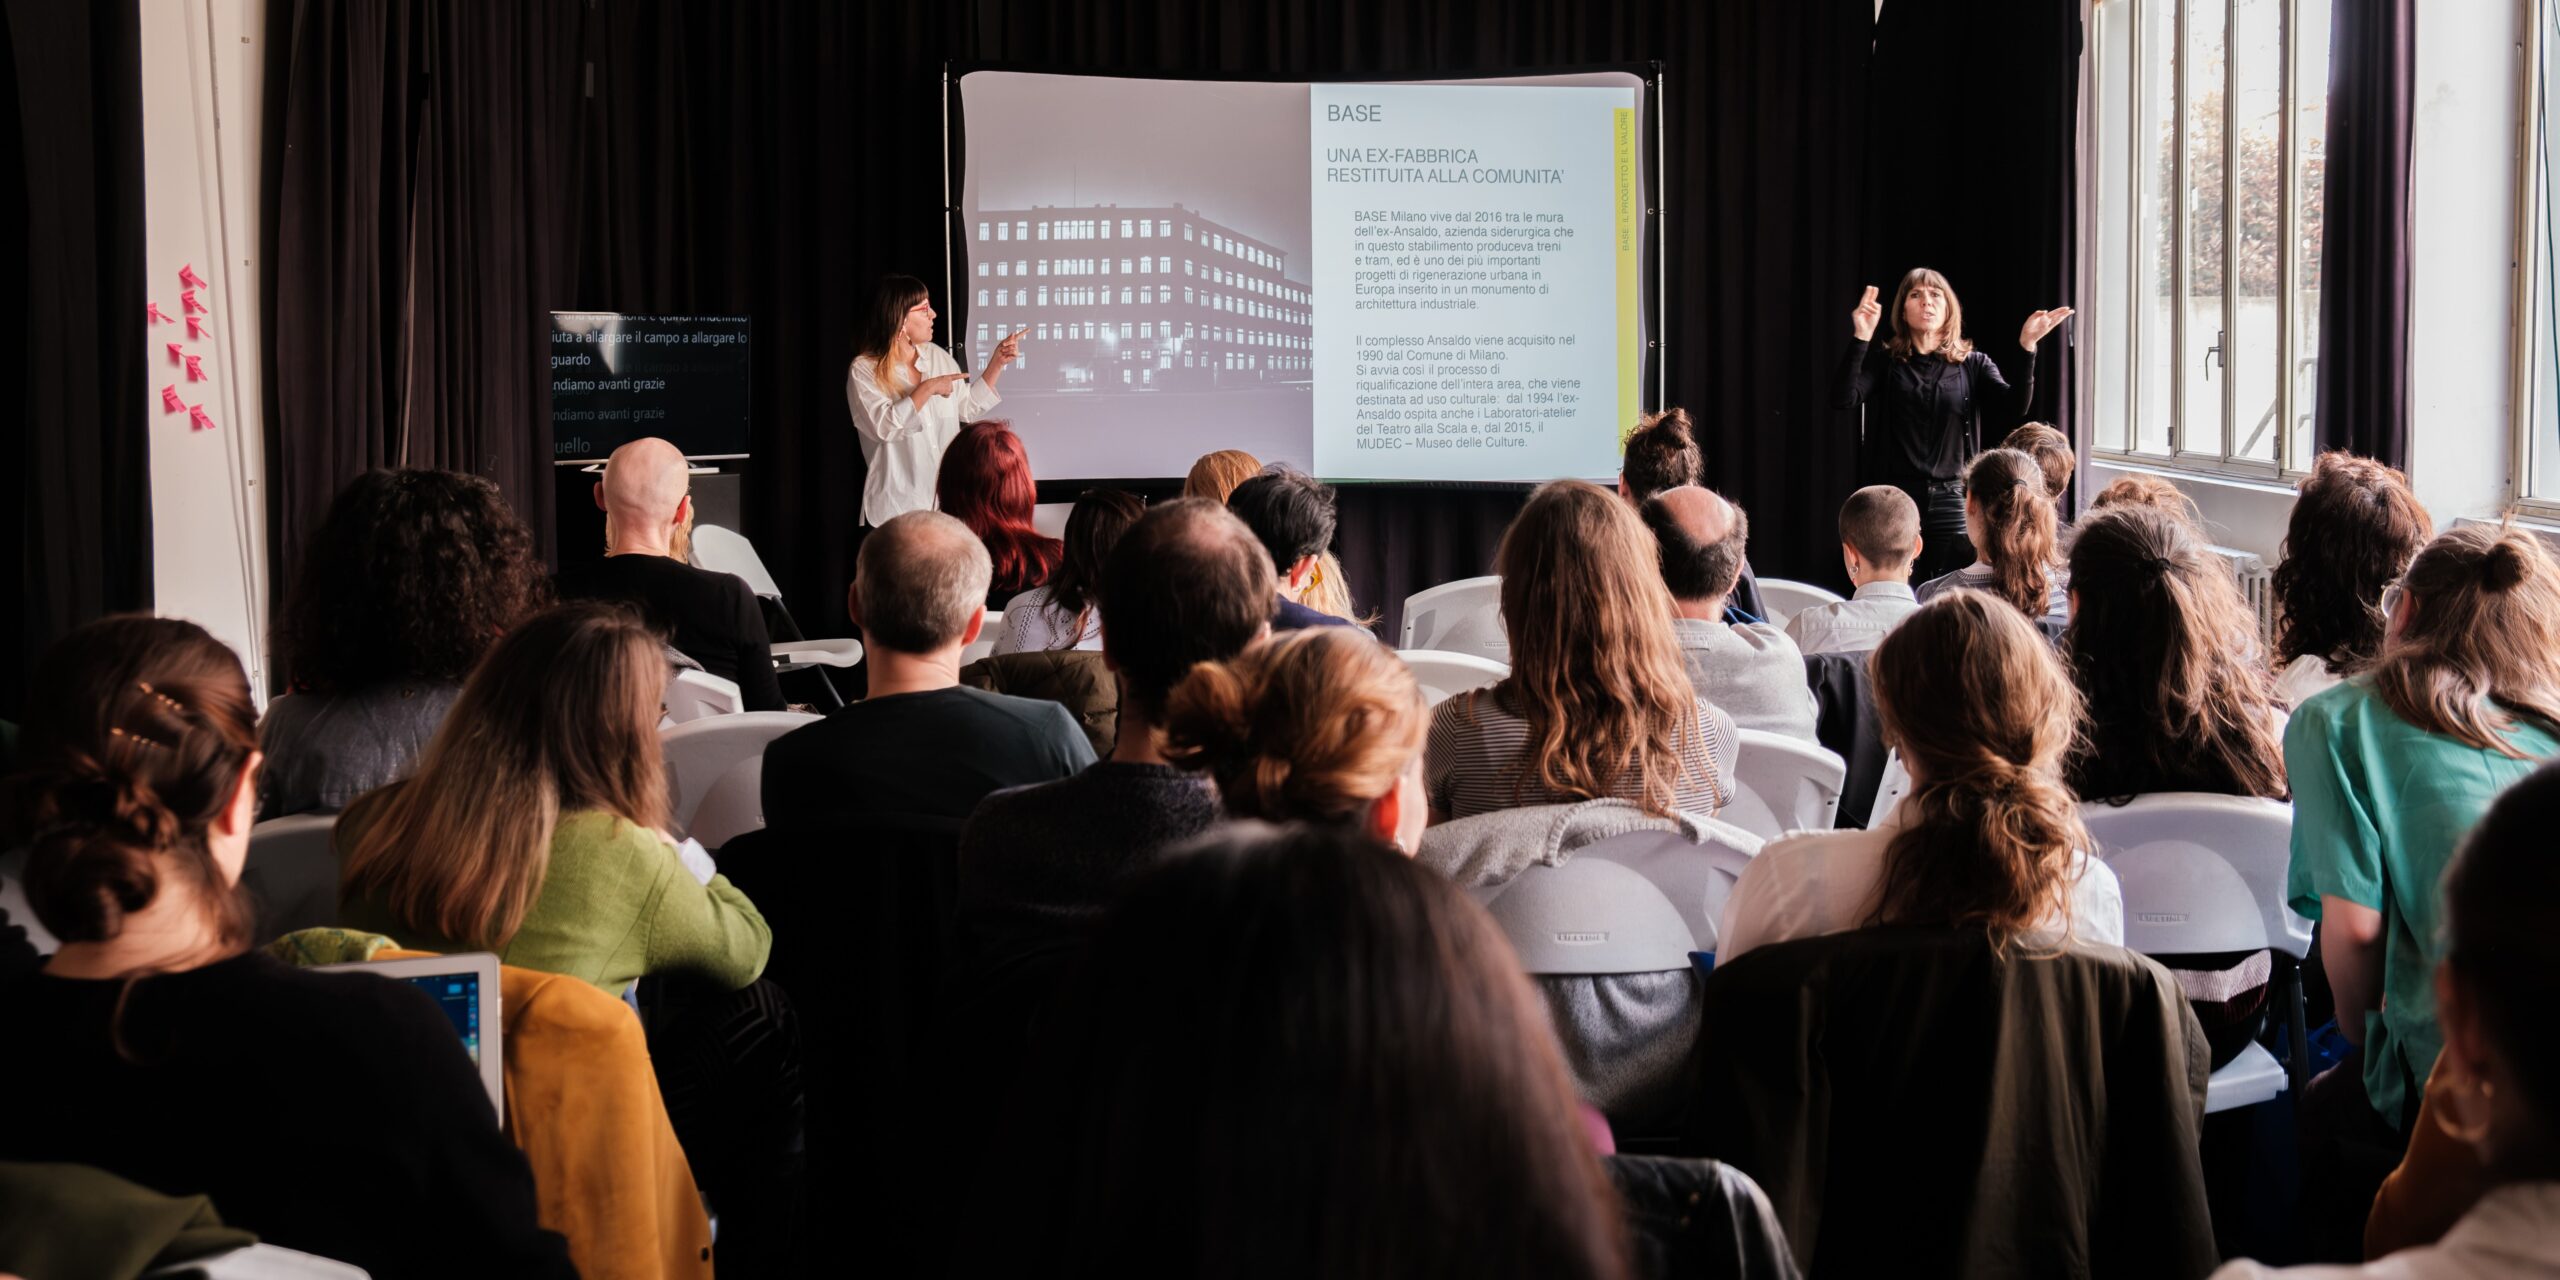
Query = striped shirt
x=1982 y=577
x=1478 y=753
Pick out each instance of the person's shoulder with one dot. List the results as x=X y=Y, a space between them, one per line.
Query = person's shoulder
x=1766 y=639
x=601 y=829
x=347 y=1005
x=1013 y=808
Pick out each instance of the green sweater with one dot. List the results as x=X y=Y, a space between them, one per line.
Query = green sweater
x=616 y=904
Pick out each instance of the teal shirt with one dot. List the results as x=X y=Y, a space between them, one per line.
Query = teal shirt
x=2379 y=806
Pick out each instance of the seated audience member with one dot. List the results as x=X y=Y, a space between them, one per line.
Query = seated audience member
x=1598 y=703
x=986 y=484
x=1283 y=1041
x=536 y=824
x=2010 y=519
x=2142 y=489
x=334 y=1113
x=1879 y=542
x=1750 y=671
x=1189 y=584
x=2052 y=451
x=2388 y=770
x=408 y=580
x=920 y=745
x=1317 y=726
x=1292 y=514
x=1663 y=453
x=1216 y=475
x=710 y=617
x=1989 y=837
x=2164 y=651
x=2355 y=526
x=2498 y=1083
x=1061 y=615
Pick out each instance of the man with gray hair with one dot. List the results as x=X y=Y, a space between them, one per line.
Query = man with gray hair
x=920 y=745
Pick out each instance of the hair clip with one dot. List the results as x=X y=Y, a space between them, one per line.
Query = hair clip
x=165 y=700
x=135 y=737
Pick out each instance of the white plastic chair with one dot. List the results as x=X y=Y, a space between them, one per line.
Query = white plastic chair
x=292 y=871
x=2206 y=873
x=1891 y=786
x=13 y=899
x=1458 y=617
x=733 y=807
x=700 y=752
x=985 y=644
x=1589 y=915
x=693 y=694
x=1697 y=878
x=1445 y=675
x=1781 y=784
x=728 y=551
x=1785 y=598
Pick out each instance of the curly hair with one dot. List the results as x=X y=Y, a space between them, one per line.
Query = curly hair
x=2356 y=525
x=413 y=573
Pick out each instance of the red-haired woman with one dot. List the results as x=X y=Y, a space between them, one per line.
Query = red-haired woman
x=986 y=484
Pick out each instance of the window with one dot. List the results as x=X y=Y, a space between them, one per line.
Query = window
x=2210 y=123
x=982 y=231
x=2537 y=396
x=999 y=297
x=1002 y=228
x=1001 y=267
x=982 y=333
x=1124 y=293
x=982 y=268
x=1022 y=231
x=982 y=297
x=1044 y=231
x=1021 y=268
x=1044 y=295
x=1186 y=231
x=1146 y=229
x=1124 y=266
x=1124 y=228
x=1146 y=328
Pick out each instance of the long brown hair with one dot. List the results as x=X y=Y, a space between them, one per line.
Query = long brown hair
x=2356 y=523
x=1314 y=725
x=1972 y=696
x=561 y=716
x=1361 y=1083
x=882 y=334
x=1215 y=475
x=2481 y=648
x=2165 y=653
x=2007 y=490
x=138 y=732
x=1952 y=346
x=1595 y=665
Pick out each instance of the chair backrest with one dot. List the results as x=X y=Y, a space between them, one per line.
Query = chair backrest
x=693 y=694
x=1590 y=916
x=1444 y=675
x=1460 y=617
x=292 y=873
x=1696 y=878
x=1786 y=598
x=2200 y=873
x=728 y=551
x=1781 y=784
x=985 y=644
x=699 y=753
x=1845 y=719
x=733 y=807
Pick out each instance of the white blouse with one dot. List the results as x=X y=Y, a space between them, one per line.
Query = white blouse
x=1032 y=624
x=901 y=444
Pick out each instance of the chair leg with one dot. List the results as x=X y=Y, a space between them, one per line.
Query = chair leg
x=2298 y=1061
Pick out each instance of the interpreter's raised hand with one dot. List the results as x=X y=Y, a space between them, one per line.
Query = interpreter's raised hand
x=2040 y=324
x=1863 y=317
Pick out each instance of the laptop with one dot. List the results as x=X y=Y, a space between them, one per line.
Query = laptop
x=465 y=986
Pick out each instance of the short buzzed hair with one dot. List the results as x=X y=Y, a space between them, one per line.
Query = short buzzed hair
x=919 y=578
x=1188 y=584
x=1880 y=522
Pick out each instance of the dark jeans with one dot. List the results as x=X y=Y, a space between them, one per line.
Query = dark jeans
x=728 y=1064
x=1944 y=547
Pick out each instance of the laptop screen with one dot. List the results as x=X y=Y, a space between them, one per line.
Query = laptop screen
x=458 y=994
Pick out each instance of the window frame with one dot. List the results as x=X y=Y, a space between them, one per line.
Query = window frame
x=2532 y=267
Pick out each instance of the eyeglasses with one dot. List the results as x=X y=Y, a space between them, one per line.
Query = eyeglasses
x=2393 y=595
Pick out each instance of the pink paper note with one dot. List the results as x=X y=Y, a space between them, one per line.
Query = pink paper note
x=187 y=302
x=169 y=401
x=195 y=327
x=195 y=368
x=203 y=421
x=158 y=316
x=187 y=276
x=177 y=353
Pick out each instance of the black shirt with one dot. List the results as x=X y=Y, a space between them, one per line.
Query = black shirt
x=933 y=754
x=711 y=616
x=335 y=1113
x=1924 y=414
x=1038 y=865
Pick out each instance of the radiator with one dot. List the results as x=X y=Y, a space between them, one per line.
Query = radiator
x=2257 y=586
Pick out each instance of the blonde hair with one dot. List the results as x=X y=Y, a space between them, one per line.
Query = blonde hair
x=1329 y=591
x=561 y=716
x=2482 y=645
x=1973 y=697
x=1952 y=346
x=1314 y=725
x=1216 y=475
x=2142 y=489
x=1595 y=665
x=2007 y=491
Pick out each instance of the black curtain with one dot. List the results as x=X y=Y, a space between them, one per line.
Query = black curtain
x=2362 y=403
x=73 y=343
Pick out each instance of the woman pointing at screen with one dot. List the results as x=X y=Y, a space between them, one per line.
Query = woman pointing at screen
x=909 y=398
x=1926 y=391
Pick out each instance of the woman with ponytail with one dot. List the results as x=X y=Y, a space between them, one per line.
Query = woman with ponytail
x=156 y=1046
x=2389 y=770
x=2009 y=515
x=1989 y=837
x=1323 y=725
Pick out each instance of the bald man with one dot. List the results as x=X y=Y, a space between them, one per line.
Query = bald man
x=1749 y=669
x=648 y=521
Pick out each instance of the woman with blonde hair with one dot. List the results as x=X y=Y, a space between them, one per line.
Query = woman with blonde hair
x=1322 y=725
x=2017 y=557
x=1597 y=703
x=1989 y=837
x=1215 y=475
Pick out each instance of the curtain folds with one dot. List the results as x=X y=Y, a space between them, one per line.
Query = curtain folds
x=2362 y=402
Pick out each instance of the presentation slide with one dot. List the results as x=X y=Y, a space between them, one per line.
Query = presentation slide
x=1415 y=282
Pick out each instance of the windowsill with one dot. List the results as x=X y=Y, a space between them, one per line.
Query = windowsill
x=2267 y=484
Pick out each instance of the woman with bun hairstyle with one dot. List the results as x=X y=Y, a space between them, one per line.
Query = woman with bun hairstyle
x=1928 y=393
x=156 y=1046
x=2009 y=518
x=1320 y=725
x=2389 y=769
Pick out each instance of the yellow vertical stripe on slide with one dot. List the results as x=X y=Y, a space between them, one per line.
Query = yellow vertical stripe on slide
x=1629 y=345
